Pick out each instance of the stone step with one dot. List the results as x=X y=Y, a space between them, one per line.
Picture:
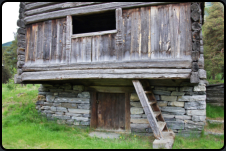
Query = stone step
x=215 y=121
x=161 y=125
x=166 y=142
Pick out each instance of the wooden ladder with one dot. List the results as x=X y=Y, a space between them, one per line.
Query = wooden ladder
x=151 y=109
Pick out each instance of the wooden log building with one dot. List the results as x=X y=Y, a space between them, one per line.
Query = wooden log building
x=110 y=51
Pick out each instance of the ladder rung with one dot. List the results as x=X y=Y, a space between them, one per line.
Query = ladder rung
x=161 y=125
x=147 y=92
x=156 y=113
x=151 y=103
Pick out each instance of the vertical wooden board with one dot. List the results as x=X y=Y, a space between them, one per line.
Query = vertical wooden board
x=64 y=53
x=112 y=124
x=144 y=31
x=93 y=118
x=67 y=37
x=121 y=98
x=54 y=41
x=39 y=54
x=182 y=30
x=106 y=52
x=100 y=49
x=111 y=47
x=59 y=40
x=164 y=32
x=73 y=50
x=135 y=34
x=28 y=35
x=47 y=40
x=176 y=33
x=117 y=112
x=95 y=48
x=127 y=15
x=188 y=41
x=108 y=111
x=31 y=43
x=119 y=39
x=35 y=30
x=88 y=49
x=127 y=111
x=100 y=111
x=154 y=32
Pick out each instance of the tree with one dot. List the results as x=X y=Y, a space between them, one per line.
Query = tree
x=213 y=39
x=10 y=56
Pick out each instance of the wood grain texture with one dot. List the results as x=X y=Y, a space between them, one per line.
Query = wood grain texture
x=127 y=111
x=28 y=34
x=86 y=10
x=93 y=118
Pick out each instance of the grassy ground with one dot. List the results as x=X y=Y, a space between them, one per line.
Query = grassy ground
x=23 y=127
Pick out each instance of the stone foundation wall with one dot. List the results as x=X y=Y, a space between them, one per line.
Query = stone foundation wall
x=69 y=104
x=183 y=108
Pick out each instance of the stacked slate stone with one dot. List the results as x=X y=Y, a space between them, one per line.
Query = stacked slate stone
x=68 y=104
x=183 y=108
x=198 y=71
x=20 y=42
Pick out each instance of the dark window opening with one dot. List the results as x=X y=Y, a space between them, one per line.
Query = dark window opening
x=94 y=22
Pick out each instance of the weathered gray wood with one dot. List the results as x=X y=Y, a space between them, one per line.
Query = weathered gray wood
x=39 y=54
x=194 y=77
x=53 y=42
x=28 y=35
x=195 y=66
x=147 y=109
x=195 y=55
x=195 y=7
x=182 y=31
x=135 y=34
x=196 y=26
x=94 y=34
x=195 y=15
x=21 y=58
x=47 y=40
x=111 y=64
x=112 y=89
x=196 y=45
x=188 y=38
x=70 y=74
x=37 y=4
x=145 y=31
x=68 y=38
x=86 y=10
x=154 y=32
x=119 y=24
x=53 y=7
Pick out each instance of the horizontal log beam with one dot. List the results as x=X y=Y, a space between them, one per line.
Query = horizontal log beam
x=94 y=34
x=58 y=7
x=105 y=74
x=37 y=4
x=86 y=10
x=107 y=89
x=136 y=64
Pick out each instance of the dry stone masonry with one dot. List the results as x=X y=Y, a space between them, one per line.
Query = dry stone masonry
x=67 y=103
x=183 y=108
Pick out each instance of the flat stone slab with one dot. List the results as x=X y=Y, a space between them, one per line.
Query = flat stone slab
x=207 y=133
x=166 y=142
x=104 y=135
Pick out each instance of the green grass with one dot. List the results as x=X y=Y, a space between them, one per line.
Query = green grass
x=203 y=142
x=23 y=127
x=214 y=111
x=217 y=79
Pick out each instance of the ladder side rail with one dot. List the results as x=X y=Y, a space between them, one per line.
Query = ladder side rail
x=147 y=109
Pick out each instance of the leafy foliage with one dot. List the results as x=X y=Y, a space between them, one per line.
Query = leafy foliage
x=213 y=39
x=10 y=57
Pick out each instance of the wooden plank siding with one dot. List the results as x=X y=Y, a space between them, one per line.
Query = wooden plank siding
x=144 y=33
x=46 y=42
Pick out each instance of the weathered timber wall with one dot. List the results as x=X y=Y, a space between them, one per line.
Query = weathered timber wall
x=46 y=42
x=215 y=94
x=150 y=32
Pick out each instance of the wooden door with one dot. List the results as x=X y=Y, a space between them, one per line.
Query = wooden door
x=111 y=111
